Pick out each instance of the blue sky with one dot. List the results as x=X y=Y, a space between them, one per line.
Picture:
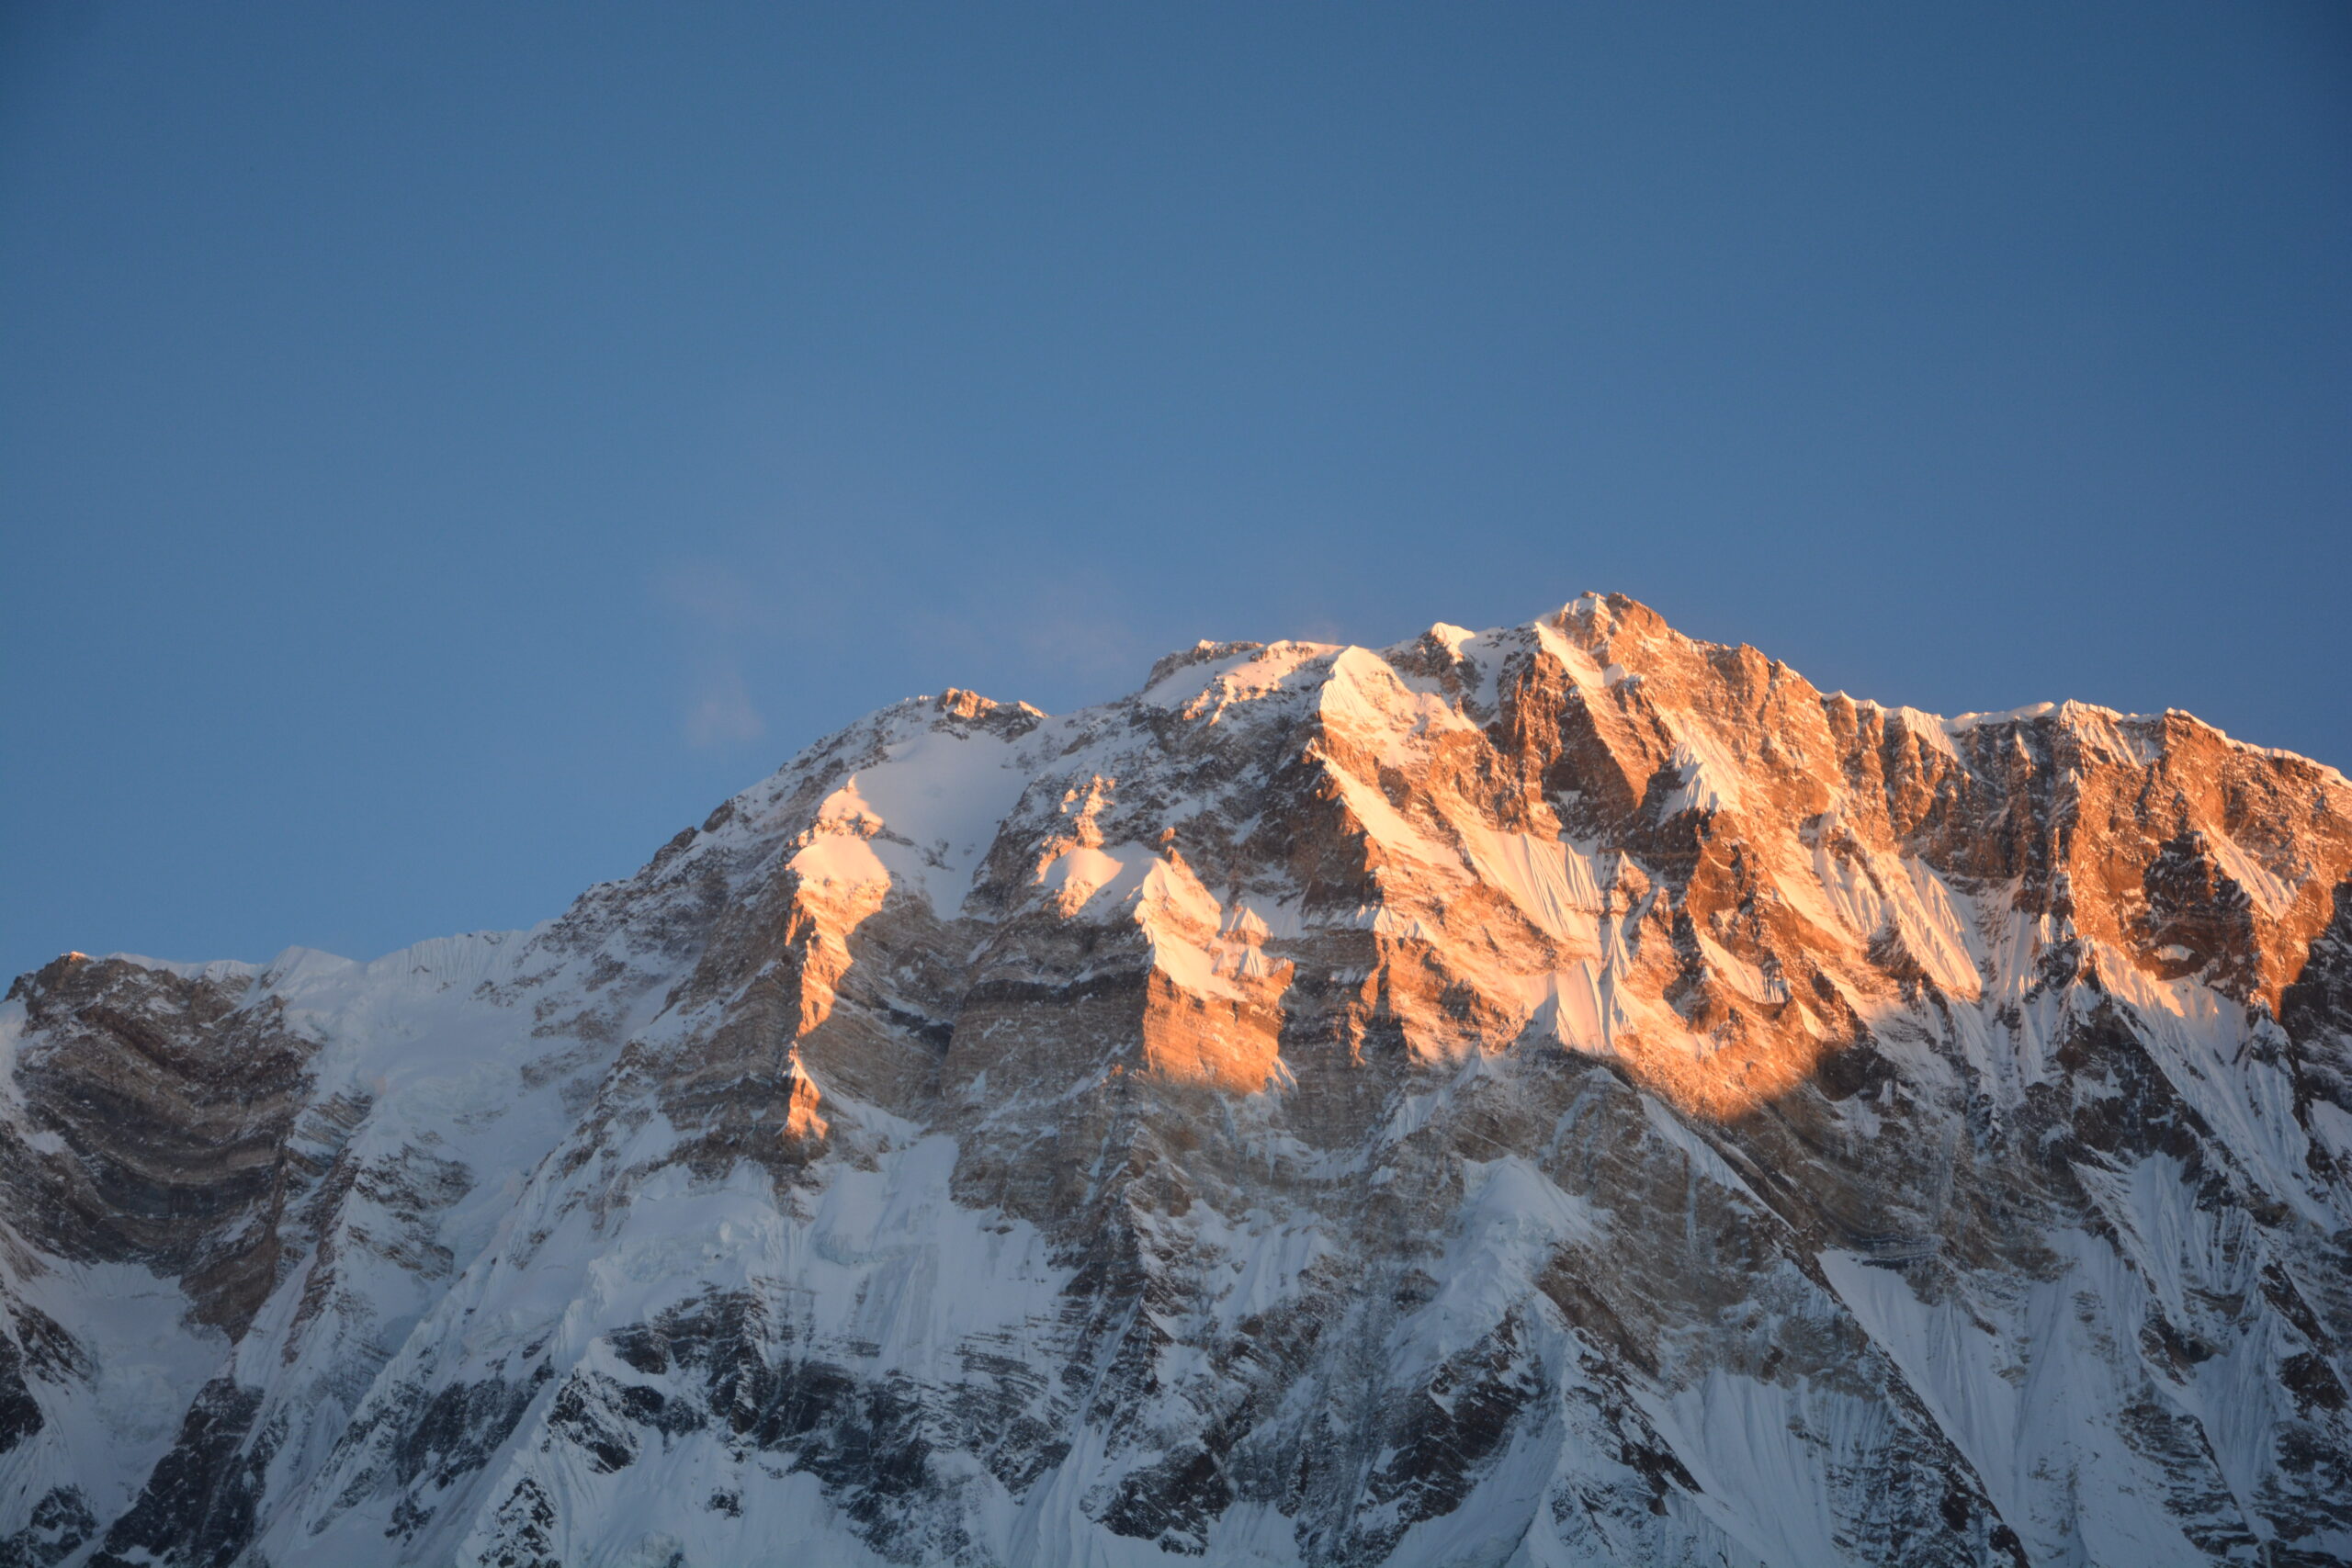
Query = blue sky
x=444 y=449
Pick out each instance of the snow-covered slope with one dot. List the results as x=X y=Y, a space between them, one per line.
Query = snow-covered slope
x=1569 y=1094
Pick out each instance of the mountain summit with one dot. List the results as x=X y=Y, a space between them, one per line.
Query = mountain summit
x=1563 y=1095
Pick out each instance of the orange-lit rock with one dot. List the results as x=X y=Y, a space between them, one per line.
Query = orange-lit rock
x=1557 y=1095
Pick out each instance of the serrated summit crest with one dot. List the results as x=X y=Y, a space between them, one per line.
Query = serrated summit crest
x=1563 y=1094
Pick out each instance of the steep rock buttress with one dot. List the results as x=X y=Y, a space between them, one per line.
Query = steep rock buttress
x=1566 y=1094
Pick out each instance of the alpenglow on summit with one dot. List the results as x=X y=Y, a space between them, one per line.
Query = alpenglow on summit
x=1563 y=1095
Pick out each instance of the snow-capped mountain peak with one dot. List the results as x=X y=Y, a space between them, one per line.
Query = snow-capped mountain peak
x=1560 y=1094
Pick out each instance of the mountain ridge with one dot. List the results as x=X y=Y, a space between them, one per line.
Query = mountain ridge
x=1561 y=1094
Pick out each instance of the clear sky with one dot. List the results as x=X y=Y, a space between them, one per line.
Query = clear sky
x=445 y=449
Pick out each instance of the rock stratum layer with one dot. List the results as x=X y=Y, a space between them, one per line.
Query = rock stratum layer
x=1571 y=1094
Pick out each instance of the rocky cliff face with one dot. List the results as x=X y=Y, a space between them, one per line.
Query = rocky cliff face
x=1562 y=1095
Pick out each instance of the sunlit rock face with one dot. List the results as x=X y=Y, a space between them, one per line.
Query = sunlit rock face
x=1570 y=1094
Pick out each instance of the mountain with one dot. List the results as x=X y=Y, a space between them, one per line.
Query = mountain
x=1569 y=1094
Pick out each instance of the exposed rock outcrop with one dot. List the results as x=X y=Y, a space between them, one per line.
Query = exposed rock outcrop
x=1570 y=1094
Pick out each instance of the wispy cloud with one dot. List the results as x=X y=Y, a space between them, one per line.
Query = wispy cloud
x=722 y=713
x=803 y=644
x=724 y=619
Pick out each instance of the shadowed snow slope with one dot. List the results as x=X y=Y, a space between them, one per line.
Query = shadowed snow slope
x=1570 y=1094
